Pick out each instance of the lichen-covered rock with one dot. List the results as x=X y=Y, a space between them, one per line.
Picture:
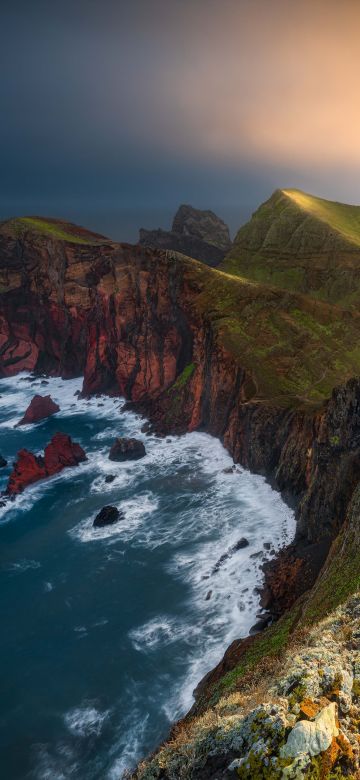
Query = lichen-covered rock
x=312 y=737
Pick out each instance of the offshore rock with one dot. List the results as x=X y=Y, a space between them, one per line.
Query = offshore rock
x=3 y=462
x=39 y=408
x=107 y=516
x=127 y=449
x=60 y=453
x=198 y=234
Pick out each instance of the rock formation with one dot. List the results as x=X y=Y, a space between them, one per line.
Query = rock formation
x=198 y=234
x=127 y=449
x=269 y=370
x=60 y=453
x=108 y=515
x=39 y=408
x=3 y=462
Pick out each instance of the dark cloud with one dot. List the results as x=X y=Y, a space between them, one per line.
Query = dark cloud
x=118 y=107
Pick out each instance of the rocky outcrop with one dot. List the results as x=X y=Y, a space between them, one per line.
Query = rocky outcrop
x=198 y=234
x=127 y=449
x=39 y=408
x=3 y=462
x=108 y=515
x=60 y=453
x=295 y=717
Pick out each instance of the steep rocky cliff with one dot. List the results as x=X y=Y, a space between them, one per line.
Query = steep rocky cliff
x=198 y=234
x=269 y=371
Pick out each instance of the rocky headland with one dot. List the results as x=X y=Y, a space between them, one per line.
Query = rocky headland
x=270 y=369
x=198 y=234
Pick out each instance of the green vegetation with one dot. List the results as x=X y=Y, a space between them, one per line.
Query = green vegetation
x=343 y=218
x=295 y=350
x=62 y=231
x=266 y=646
x=183 y=378
x=302 y=243
x=341 y=575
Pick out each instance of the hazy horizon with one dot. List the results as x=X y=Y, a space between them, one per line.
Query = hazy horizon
x=115 y=113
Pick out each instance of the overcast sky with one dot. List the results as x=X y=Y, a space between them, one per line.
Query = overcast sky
x=116 y=111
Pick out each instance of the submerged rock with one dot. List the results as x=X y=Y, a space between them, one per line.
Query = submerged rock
x=60 y=453
x=39 y=408
x=127 y=449
x=108 y=515
x=3 y=462
x=109 y=478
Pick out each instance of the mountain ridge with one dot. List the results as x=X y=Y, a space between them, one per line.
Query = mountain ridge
x=300 y=242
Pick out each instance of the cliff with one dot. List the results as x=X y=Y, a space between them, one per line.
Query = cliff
x=271 y=372
x=299 y=242
x=198 y=234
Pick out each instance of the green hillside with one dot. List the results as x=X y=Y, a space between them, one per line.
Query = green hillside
x=302 y=243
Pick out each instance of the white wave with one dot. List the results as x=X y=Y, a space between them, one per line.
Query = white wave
x=135 y=511
x=162 y=630
x=85 y=721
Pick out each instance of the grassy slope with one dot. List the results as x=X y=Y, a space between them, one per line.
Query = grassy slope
x=295 y=349
x=300 y=242
x=51 y=228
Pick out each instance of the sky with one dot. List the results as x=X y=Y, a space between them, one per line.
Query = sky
x=113 y=112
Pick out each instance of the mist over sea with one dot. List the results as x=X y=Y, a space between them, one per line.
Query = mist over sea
x=106 y=632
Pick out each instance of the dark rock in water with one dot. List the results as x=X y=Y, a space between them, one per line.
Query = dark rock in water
x=108 y=515
x=224 y=557
x=39 y=408
x=127 y=449
x=110 y=478
x=77 y=393
x=146 y=428
x=44 y=382
x=199 y=234
x=240 y=544
x=208 y=595
x=3 y=462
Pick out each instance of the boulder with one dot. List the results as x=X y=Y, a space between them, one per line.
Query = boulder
x=41 y=406
x=127 y=449
x=3 y=462
x=29 y=468
x=108 y=515
x=109 y=478
x=312 y=737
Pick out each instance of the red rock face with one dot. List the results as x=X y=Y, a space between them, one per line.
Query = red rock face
x=39 y=408
x=62 y=452
x=128 y=319
x=28 y=468
x=59 y=453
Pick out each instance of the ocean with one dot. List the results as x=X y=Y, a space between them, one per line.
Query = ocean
x=106 y=632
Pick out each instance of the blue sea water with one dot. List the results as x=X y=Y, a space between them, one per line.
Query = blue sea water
x=105 y=632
